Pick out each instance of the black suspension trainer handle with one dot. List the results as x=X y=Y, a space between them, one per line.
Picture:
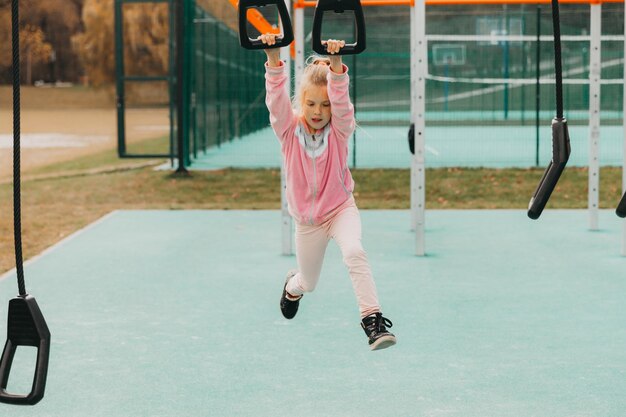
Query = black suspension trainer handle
x=560 y=154
x=26 y=325
x=282 y=40
x=339 y=6
x=621 y=207
x=412 y=138
x=560 y=136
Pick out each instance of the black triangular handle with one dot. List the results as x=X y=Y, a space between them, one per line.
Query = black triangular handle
x=621 y=207
x=560 y=155
x=26 y=327
x=249 y=43
x=339 y=6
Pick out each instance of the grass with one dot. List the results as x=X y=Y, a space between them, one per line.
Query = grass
x=75 y=97
x=58 y=200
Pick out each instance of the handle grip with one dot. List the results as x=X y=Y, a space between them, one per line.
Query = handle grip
x=339 y=6
x=249 y=43
x=560 y=155
x=621 y=207
x=26 y=327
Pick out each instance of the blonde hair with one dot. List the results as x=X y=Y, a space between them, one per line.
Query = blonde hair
x=314 y=75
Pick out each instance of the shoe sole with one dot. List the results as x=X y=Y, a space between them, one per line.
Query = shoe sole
x=383 y=343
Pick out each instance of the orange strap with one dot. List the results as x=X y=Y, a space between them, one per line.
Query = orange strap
x=257 y=20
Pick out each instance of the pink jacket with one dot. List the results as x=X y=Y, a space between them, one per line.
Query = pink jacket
x=318 y=180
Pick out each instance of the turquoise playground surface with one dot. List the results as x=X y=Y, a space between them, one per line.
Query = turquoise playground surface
x=175 y=313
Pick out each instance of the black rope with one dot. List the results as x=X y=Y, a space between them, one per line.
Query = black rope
x=557 y=58
x=17 y=223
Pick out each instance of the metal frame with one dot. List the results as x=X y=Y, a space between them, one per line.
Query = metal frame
x=286 y=219
x=624 y=147
x=121 y=78
x=594 y=114
x=419 y=70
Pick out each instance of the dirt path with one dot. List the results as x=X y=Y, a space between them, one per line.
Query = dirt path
x=50 y=136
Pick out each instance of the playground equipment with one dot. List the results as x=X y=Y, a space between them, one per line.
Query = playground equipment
x=26 y=325
x=560 y=136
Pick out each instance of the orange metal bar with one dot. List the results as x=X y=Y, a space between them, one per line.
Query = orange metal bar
x=311 y=3
x=257 y=20
x=496 y=2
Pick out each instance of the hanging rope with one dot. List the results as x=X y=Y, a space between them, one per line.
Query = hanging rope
x=26 y=325
x=17 y=222
x=557 y=58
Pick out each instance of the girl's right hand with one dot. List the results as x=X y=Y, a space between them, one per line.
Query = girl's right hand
x=273 y=54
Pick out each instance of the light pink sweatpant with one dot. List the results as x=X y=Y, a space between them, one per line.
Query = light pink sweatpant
x=311 y=242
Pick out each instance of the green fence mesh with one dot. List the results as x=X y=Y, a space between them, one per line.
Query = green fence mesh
x=473 y=116
x=227 y=88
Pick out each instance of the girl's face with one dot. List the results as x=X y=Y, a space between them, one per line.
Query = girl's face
x=316 y=107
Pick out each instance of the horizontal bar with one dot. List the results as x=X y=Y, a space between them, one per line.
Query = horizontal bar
x=498 y=2
x=518 y=38
x=518 y=81
x=144 y=1
x=148 y=155
x=145 y=78
x=298 y=4
x=311 y=3
x=205 y=20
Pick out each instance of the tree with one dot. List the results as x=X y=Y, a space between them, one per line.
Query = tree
x=45 y=30
x=95 y=44
x=59 y=20
x=34 y=49
x=146 y=40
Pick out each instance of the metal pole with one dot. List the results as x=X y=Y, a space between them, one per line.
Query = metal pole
x=286 y=219
x=506 y=63
x=524 y=71
x=119 y=80
x=180 y=80
x=419 y=70
x=413 y=106
x=193 y=84
x=537 y=86
x=218 y=87
x=624 y=147
x=594 y=115
x=205 y=89
x=353 y=78
x=171 y=72
x=446 y=72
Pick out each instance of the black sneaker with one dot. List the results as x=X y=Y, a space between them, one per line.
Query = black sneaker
x=374 y=327
x=288 y=307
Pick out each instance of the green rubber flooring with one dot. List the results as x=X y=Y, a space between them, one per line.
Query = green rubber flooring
x=175 y=313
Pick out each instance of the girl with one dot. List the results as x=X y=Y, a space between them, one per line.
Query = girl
x=314 y=144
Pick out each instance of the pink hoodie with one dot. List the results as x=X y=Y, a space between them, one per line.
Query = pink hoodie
x=318 y=180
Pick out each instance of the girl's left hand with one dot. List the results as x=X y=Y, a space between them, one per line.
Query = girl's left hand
x=333 y=46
